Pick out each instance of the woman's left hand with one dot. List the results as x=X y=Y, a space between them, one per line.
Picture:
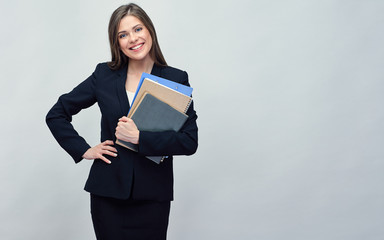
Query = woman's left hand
x=126 y=130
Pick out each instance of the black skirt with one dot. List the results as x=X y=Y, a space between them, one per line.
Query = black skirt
x=115 y=219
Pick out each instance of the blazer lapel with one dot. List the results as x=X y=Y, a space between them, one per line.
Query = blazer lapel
x=120 y=87
x=156 y=70
x=121 y=93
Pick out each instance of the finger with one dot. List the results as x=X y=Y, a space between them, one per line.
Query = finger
x=109 y=142
x=109 y=148
x=131 y=122
x=104 y=159
x=121 y=124
x=112 y=154
x=117 y=135
x=124 y=119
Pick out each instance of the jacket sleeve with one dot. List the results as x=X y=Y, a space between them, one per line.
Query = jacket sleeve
x=59 y=118
x=168 y=143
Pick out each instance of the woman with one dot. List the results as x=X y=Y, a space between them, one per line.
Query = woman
x=130 y=194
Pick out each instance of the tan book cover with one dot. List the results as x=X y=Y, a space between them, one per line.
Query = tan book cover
x=171 y=97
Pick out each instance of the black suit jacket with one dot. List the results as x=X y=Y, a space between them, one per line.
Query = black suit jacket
x=130 y=175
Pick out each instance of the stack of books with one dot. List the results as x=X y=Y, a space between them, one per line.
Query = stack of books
x=159 y=105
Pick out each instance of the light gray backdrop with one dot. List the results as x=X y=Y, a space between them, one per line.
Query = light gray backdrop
x=290 y=102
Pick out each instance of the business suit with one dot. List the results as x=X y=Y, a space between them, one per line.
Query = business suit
x=130 y=175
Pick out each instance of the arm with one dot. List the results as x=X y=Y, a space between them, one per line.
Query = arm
x=59 y=119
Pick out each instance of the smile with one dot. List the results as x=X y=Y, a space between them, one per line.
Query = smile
x=136 y=47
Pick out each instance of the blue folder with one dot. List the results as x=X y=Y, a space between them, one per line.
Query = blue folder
x=168 y=83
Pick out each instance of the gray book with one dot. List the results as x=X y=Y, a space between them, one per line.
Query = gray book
x=154 y=115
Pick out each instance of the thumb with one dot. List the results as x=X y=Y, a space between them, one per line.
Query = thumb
x=124 y=119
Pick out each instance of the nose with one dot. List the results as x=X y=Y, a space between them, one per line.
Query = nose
x=133 y=38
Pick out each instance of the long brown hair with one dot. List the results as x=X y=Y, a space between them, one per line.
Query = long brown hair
x=119 y=59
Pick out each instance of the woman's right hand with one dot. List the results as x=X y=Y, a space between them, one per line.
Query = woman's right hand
x=99 y=150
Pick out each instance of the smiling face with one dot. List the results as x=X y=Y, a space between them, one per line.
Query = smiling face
x=134 y=39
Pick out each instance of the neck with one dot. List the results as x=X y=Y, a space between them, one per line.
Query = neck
x=138 y=67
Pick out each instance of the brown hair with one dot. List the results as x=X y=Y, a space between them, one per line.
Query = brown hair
x=119 y=59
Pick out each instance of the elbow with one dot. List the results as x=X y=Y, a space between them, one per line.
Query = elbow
x=51 y=115
x=191 y=145
x=48 y=119
x=191 y=148
x=193 y=151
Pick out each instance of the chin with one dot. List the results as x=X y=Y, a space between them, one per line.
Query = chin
x=139 y=58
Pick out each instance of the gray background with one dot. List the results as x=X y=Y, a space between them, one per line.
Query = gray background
x=290 y=102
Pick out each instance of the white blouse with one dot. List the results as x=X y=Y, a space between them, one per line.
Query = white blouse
x=130 y=97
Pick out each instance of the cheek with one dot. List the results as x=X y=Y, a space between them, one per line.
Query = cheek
x=147 y=36
x=149 y=40
x=123 y=43
x=120 y=43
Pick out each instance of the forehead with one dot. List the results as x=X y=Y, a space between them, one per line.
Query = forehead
x=128 y=22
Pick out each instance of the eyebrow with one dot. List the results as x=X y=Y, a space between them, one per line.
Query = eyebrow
x=124 y=31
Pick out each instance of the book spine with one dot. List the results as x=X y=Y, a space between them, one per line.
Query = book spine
x=189 y=104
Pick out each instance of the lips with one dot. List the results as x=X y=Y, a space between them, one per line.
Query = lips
x=136 y=47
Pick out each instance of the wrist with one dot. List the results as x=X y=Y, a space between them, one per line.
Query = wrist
x=137 y=137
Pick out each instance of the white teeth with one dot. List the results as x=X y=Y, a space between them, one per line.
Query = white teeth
x=137 y=47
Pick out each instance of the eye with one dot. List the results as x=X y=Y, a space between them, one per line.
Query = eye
x=123 y=35
x=138 y=29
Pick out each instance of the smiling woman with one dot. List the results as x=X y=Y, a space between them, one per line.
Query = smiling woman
x=120 y=27
x=134 y=39
x=130 y=194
